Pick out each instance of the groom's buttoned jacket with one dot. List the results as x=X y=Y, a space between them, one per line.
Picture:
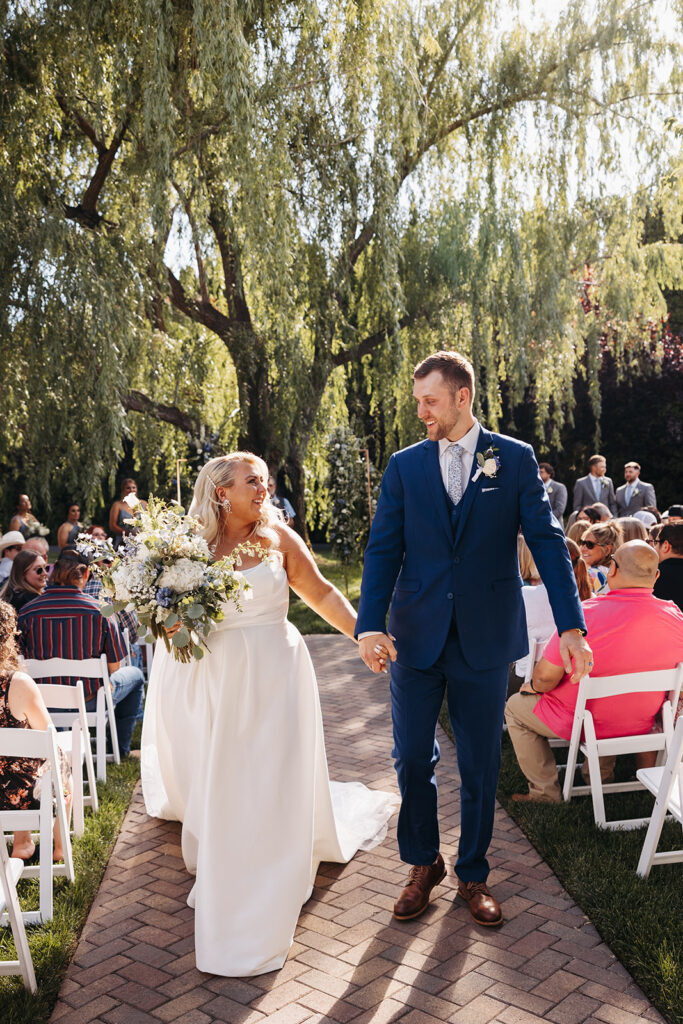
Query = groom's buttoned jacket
x=433 y=563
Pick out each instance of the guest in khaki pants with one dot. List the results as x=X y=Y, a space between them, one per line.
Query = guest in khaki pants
x=629 y=631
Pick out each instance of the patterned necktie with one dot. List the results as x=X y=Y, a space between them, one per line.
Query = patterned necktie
x=455 y=472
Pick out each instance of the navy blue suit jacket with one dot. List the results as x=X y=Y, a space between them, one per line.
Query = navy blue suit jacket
x=427 y=571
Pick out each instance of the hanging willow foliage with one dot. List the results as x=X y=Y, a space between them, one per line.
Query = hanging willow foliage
x=306 y=186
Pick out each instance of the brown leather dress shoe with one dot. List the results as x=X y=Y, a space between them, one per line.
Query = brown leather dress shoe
x=414 y=899
x=484 y=908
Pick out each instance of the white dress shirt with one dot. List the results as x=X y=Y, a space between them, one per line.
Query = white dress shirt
x=469 y=446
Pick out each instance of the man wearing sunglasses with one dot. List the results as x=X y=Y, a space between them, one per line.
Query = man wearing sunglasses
x=630 y=631
x=10 y=545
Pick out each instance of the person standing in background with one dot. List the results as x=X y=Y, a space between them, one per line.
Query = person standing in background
x=557 y=492
x=595 y=486
x=635 y=493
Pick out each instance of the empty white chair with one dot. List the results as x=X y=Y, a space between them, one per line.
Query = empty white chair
x=593 y=748
x=666 y=783
x=40 y=744
x=75 y=743
x=10 y=872
x=88 y=668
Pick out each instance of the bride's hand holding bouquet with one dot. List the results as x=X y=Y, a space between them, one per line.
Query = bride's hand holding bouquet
x=164 y=572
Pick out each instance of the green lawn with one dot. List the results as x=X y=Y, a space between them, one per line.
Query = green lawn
x=52 y=945
x=641 y=921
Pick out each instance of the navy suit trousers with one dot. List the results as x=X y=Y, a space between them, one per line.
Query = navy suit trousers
x=476 y=702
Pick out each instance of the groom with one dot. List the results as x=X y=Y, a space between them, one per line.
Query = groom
x=443 y=553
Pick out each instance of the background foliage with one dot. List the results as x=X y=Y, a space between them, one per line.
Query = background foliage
x=242 y=223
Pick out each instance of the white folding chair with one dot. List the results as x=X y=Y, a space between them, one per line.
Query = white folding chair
x=10 y=872
x=88 y=668
x=666 y=784
x=149 y=658
x=128 y=660
x=75 y=742
x=593 y=748
x=38 y=744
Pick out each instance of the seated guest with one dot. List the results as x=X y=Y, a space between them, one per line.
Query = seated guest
x=22 y=707
x=11 y=544
x=539 y=616
x=598 y=544
x=629 y=630
x=602 y=510
x=590 y=514
x=65 y=623
x=631 y=528
x=674 y=514
x=669 y=547
x=26 y=580
x=576 y=531
x=40 y=545
x=69 y=530
x=527 y=567
x=653 y=510
x=646 y=517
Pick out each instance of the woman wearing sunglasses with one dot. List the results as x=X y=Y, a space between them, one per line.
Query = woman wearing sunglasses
x=598 y=544
x=27 y=579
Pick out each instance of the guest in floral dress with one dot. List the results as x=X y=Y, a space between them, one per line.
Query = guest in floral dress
x=22 y=707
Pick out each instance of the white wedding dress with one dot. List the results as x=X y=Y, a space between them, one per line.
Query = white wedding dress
x=233 y=747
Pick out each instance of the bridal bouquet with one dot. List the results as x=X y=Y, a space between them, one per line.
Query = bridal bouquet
x=36 y=529
x=164 y=572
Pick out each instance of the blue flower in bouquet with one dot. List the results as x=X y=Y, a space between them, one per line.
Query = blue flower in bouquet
x=165 y=597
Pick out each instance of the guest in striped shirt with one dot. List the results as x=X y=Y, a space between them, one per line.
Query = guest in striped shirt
x=63 y=622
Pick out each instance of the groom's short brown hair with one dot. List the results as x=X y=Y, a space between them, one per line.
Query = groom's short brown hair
x=453 y=367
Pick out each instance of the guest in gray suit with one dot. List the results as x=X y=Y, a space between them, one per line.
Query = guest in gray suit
x=557 y=492
x=635 y=493
x=595 y=486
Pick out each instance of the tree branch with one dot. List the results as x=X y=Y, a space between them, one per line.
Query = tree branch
x=136 y=401
x=82 y=123
x=204 y=313
x=369 y=344
x=187 y=205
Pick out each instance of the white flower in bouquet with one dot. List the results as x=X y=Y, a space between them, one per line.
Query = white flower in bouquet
x=182 y=576
x=163 y=570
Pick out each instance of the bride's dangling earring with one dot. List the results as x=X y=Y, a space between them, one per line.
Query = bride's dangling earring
x=226 y=505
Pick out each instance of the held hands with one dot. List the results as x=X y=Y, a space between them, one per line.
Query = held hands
x=375 y=650
x=573 y=647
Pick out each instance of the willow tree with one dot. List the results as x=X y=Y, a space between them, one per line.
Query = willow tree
x=246 y=169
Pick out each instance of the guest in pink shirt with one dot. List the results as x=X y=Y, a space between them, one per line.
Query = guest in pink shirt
x=629 y=630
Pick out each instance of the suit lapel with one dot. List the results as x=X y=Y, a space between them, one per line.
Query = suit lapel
x=485 y=441
x=435 y=483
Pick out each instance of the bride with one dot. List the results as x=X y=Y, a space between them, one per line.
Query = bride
x=233 y=746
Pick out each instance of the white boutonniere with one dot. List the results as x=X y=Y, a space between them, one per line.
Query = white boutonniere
x=548 y=490
x=488 y=464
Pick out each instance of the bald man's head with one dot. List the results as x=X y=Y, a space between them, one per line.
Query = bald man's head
x=635 y=565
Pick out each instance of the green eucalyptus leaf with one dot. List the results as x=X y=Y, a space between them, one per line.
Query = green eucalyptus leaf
x=181 y=638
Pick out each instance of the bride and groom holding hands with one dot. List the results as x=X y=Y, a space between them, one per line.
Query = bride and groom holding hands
x=233 y=745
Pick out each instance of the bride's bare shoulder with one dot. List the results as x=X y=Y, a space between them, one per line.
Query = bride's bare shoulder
x=289 y=542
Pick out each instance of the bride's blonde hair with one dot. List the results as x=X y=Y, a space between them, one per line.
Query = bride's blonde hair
x=206 y=507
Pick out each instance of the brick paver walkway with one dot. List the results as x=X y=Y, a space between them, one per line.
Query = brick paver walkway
x=350 y=960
